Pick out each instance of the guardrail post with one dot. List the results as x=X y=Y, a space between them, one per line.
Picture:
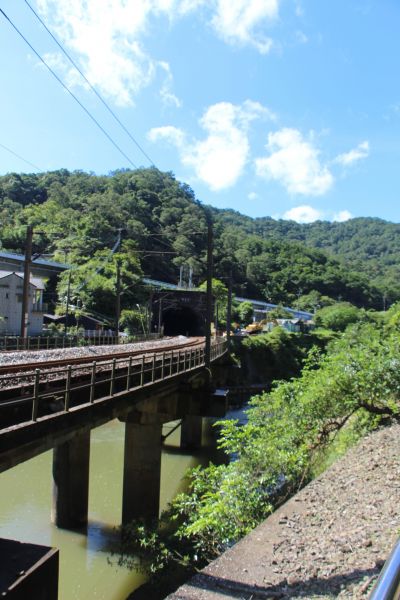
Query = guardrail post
x=112 y=383
x=128 y=377
x=38 y=342
x=17 y=343
x=153 y=368
x=171 y=362
x=35 y=406
x=162 y=365
x=179 y=362
x=92 y=382
x=5 y=342
x=142 y=371
x=48 y=342
x=29 y=342
x=67 y=389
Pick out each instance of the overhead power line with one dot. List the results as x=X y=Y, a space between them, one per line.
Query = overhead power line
x=89 y=114
x=21 y=158
x=99 y=96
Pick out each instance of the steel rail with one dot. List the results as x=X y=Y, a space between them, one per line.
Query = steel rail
x=388 y=585
x=25 y=367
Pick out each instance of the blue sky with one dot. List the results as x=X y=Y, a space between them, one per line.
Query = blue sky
x=287 y=108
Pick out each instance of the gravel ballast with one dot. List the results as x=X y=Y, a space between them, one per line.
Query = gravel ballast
x=328 y=541
x=37 y=356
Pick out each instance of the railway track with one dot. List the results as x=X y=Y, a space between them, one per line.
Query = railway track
x=28 y=367
x=29 y=393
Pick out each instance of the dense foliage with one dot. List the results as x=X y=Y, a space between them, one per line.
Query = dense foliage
x=348 y=390
x=76 y=217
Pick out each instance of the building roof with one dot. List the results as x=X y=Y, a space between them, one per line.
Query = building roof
x=35 y=281
x=13 y=259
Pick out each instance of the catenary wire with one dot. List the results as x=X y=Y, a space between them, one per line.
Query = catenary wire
x=68 y=90
x=99 y=96
x=20 y=157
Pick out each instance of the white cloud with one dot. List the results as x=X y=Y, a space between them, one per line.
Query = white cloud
x=167 y=96
x=252 y=196
x=294 y=162
x=238 y=21
x=174 y=135
x=220 y=158
x=303 y=214
x=105 y=34
x=108 y=36
x=341 y=216
x=348 y=158
x=299 y=9
x=309 y=214
x=301 y=37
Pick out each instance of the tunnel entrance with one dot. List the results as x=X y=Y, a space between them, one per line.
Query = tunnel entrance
x=179 y=312
x=181 y=321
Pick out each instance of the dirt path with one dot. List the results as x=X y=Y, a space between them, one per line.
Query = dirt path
x=329 y=541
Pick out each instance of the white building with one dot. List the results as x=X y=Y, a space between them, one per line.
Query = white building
x=11 y=289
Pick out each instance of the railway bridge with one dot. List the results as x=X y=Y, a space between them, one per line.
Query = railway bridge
x=56 y=407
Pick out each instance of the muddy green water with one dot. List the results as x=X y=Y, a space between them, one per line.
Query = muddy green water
x=85 y=573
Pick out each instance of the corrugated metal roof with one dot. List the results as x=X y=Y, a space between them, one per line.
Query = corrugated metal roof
x=38 y=261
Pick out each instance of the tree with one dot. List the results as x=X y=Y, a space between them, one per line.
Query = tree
x=245 y=311
x=338 y=316
x=220 y=293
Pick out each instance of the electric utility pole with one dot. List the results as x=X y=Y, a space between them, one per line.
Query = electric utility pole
x=118 y=301
x=229 y=314
x=68 y=300
x=25 y=290
x=209 y=289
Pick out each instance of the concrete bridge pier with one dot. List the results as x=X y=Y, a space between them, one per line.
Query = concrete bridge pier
x=191 y=431
x=142 y=469
x=71 y=482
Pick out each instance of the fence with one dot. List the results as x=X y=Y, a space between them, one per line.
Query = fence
x=11 y=343
x=104 y=379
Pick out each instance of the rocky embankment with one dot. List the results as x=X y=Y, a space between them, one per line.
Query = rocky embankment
x=328 y=541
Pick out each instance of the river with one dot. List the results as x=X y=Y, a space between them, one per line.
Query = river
x=85 y=571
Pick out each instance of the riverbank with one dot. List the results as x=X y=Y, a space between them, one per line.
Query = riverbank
x=328 y=541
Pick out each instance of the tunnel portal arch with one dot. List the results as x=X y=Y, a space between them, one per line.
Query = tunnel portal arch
x=179 y=312
x=181 y=321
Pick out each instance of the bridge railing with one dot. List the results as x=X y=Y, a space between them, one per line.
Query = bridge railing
x=99 y=381
x=15 y=343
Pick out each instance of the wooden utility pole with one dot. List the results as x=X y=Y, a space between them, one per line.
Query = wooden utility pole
x=209 y=289
x=25 y=290
x=68 y=299
x=160 y=309
x=118 y=301
x=229 y=313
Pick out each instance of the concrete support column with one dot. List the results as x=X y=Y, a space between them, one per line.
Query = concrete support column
x=71 y=482
x=191 y=431
x=142 y=471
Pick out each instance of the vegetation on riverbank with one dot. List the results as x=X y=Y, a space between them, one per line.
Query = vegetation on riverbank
x=340 y=395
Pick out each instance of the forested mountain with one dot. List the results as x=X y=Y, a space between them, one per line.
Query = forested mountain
x=76 y=218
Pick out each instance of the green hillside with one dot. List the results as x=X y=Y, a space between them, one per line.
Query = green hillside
x=76 y=217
